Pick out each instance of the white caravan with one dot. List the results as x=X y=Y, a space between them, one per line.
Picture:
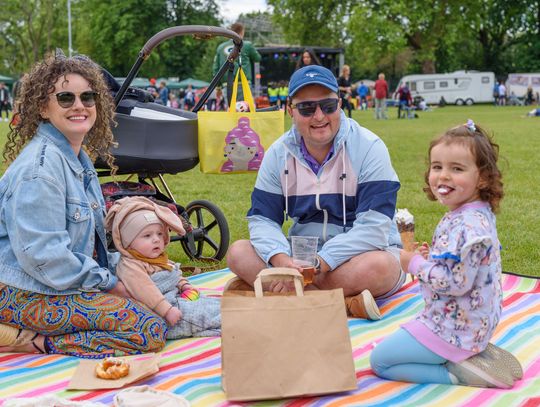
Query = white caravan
x=519 y=82
x=459 y=87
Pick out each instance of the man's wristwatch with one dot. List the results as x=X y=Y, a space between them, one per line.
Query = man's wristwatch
x=317 y=265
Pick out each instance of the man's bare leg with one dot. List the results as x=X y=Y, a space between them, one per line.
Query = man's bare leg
x=376 y=271
x=244 y=261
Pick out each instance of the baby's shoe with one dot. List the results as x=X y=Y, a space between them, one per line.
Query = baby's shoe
x=362 y=305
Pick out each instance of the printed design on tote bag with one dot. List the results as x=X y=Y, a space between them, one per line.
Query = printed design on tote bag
x=243 y=148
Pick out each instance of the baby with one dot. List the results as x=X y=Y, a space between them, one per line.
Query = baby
x=140 y=232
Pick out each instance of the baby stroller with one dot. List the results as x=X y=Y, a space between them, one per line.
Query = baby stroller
x=154 y=140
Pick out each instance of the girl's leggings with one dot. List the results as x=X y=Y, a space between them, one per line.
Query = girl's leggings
x=400 y=357
x=89 y=325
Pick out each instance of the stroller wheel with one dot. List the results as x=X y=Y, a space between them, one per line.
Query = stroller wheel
x=209 y=239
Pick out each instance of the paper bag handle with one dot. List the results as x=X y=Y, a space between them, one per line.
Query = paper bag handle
x=248 y=97
x=279 y=273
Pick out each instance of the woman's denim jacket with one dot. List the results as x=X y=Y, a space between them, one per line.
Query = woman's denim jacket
x=50 y=208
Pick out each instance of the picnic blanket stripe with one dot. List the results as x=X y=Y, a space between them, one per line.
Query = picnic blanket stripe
x=515 y=300
x=518 y=346
x=18 y=359
x=486 y=397
x=24 y=379
x=526 y=317
x=184 y=379
x=532 y=402
x=412 y=394
x=182 y=345
x=192 y=367
x=55 y=361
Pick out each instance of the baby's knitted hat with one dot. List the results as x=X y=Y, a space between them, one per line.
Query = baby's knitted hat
x=134 y=223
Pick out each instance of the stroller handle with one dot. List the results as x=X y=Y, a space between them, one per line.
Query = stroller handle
x=198 y=31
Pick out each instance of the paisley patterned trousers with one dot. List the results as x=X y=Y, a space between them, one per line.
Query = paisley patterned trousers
x=88 y=325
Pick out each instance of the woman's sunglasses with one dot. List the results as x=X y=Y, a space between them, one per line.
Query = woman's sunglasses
x=308 y=108
x=67 y=99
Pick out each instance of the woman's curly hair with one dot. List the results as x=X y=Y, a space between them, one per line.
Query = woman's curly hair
x=486 y=154
x=38 y=85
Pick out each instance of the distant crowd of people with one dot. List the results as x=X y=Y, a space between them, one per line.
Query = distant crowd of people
x=502 y=98
x=353 y=96
x=180 y=99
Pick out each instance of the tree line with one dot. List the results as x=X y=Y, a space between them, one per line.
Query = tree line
x=110 y=32
x=420 y=36
x=394 y=36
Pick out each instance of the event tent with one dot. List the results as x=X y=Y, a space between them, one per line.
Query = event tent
x=195 y=83
x=6 y=79
x=145 y=82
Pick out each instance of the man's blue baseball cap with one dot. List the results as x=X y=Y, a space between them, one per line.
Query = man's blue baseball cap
x=312 y=75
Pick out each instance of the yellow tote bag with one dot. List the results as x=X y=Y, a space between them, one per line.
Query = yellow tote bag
x=235 y=142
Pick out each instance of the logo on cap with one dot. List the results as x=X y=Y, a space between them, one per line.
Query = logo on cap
x=312 y=75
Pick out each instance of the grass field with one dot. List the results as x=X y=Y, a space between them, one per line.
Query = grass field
x=407 y=140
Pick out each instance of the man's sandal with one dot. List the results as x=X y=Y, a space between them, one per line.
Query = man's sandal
x=8 y=335
x=15 y=338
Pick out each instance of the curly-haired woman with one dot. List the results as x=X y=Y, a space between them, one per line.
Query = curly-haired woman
x=58 y=289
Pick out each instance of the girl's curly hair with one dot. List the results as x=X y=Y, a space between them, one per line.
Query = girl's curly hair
x=486 y=154
x=36 y=88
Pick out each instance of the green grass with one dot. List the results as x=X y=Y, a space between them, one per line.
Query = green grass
x=407 y=141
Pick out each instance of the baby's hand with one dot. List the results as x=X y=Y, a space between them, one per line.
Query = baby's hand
x=187 y=291
x=172 y=316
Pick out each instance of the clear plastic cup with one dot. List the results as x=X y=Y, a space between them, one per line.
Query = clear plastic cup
x=304 y=253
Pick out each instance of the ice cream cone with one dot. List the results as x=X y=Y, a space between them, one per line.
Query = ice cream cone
x=405 y=225
x=407 y=240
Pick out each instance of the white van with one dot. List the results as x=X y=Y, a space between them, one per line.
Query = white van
x=459 y=87
x=519 y=82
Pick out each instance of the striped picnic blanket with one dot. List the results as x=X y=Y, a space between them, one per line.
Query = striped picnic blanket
x=192 y=367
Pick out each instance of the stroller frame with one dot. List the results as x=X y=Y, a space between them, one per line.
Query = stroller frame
x=200 y=217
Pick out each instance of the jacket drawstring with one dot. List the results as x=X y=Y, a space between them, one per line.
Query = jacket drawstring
x=286 y=188
x=342 y=178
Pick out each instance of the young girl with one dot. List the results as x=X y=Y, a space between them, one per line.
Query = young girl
x=140 y=232
x=448 y=341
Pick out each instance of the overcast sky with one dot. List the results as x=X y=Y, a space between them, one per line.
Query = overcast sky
x=231 y=9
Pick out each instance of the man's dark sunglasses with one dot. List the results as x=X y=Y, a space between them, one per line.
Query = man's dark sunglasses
x=308 y=108
x=67 y=99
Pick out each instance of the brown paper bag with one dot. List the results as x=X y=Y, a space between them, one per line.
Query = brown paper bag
x=285 y=346
x=140 y=366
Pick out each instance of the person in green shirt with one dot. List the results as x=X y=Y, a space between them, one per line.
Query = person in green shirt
x=248 y=56
x=273 y=94
x=283 y=93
